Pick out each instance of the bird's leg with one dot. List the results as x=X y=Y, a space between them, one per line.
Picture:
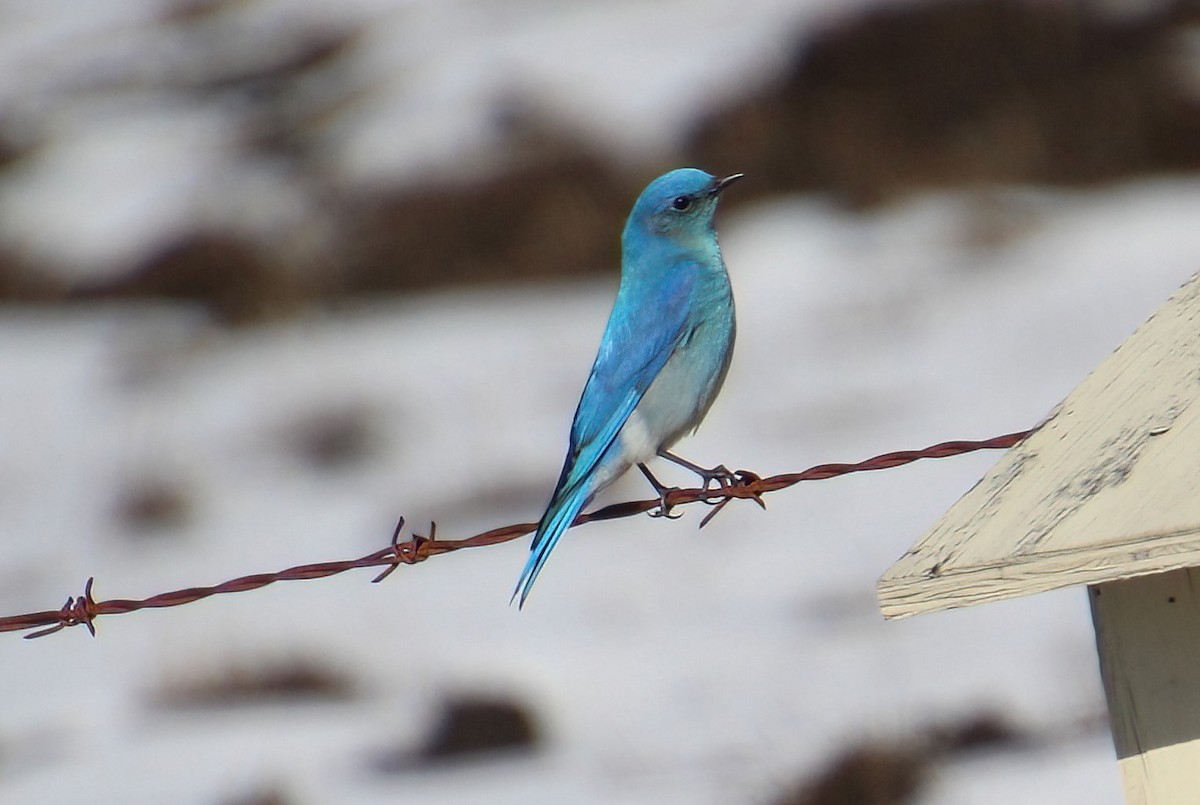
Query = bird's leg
x=664 y=508
x=719 y=474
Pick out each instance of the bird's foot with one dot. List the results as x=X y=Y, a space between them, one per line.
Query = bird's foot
x=720 y=475
x=664 y=506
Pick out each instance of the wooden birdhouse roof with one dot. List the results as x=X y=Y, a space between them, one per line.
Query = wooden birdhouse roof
x=1107 y=488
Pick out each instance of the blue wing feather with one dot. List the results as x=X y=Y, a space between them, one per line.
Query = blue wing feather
x=637 y=343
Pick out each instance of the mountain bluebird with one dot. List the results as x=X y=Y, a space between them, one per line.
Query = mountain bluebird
x=662 y=358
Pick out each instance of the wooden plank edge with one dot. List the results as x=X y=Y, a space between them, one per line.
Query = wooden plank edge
x=901 y=596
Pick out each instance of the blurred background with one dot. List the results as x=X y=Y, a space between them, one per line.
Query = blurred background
x=274 y=272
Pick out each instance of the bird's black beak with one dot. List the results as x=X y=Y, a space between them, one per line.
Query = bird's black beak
x=724 y=183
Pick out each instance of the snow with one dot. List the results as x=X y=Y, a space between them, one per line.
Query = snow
x=667 y=665
x=664 y=664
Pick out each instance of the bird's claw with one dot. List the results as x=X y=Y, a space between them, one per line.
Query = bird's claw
x=722 y=477
x=664 y=507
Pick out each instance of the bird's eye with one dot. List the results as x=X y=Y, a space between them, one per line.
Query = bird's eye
x=681 y=203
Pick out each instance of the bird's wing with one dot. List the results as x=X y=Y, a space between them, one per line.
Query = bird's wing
x=636 y=345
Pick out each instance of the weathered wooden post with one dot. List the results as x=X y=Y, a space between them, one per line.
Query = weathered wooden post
x=1105 y=493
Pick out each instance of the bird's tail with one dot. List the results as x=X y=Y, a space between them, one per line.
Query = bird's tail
x=557 y=519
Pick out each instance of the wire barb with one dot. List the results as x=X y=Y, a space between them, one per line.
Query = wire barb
x=742 y=484
x=397 y=551
x=74 y=612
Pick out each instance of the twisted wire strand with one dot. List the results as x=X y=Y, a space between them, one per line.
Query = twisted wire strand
x=84 y=609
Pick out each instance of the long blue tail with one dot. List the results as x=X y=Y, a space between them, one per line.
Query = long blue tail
x=555 y=522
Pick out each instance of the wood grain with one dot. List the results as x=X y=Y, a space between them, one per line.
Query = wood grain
x=1107 y=488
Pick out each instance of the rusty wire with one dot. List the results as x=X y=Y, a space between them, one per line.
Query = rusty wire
x=84 y=609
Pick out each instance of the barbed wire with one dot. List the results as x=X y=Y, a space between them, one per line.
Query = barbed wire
x=84 y=609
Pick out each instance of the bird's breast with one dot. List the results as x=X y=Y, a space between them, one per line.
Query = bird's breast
x=681 y=394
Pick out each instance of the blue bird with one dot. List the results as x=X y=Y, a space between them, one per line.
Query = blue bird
x=663 y=356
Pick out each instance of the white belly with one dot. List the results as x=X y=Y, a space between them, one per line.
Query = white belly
x=673 y=405
x=638 y=442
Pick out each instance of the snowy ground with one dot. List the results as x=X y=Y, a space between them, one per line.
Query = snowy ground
x=666 y=664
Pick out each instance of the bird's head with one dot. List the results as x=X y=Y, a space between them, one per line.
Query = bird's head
x=678 y=205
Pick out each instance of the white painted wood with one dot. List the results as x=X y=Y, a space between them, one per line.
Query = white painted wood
x=1108 y=488
x=1148 y=638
